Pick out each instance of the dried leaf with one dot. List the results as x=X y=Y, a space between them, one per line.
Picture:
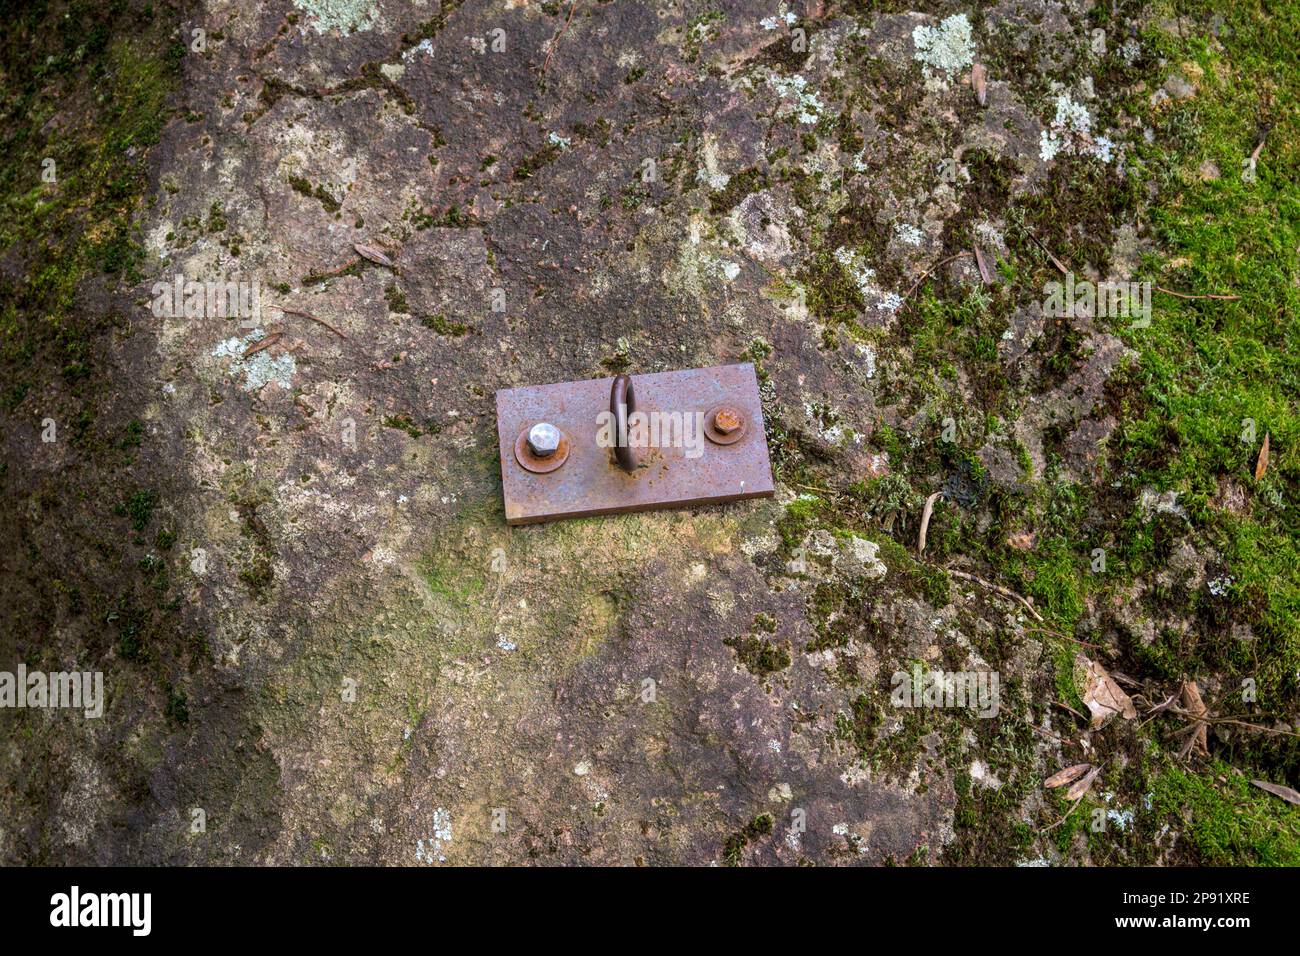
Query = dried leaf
x=1261 y=466
x=1023 y=541
x=981 y=262
x=1082 y=785
x=1194 y=705
x=1068 y=775
x=263 y=343
x=979 y=80
x=373 y=254
x=1286 y=793
x=1102 y=695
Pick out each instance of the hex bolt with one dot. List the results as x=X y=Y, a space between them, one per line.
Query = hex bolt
x=727 y=420
x=544 y=439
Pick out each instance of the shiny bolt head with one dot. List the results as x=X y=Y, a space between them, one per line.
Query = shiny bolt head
x=727 y=420
x=544 y=440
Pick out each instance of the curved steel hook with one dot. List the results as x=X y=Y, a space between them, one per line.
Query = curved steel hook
x=622 y=402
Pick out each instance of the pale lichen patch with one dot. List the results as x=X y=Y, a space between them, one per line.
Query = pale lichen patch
x=346 y=16
x=946 y=48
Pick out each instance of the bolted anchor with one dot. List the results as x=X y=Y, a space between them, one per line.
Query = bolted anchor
x=705 y=426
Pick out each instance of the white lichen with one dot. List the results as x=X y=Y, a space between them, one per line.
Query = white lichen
x=1152 y=503
x=1121 y=818
x=946 y=48
x=431 y=850
x=1221 y=585
x=346 y=16
x=711 y=172
x=771 y=23
x=908 y=234
x=425 y=46
x=259 y=368
x=1071 y=132
x=868 y=355
x=889 y=301
x=864 y=277
x=809 y=105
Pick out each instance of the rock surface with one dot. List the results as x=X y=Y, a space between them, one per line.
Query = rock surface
x=394 y=676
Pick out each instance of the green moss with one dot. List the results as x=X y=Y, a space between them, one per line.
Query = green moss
x=1225 y=820
x=403 y=423
x=455 y=584
x=529 y=166
x=217 y=217
x=139 y=507
x=444 y=326
x=258 y=573
x=1054 y=577
x=738 y=187
x=132 y=435
x=760 y=656
x=317 y=192
x=81 y=224
x=354 y=268
x=1207 y=366
x=177 y=708
x=700 y=30
x=396 y=299
x=733 y=849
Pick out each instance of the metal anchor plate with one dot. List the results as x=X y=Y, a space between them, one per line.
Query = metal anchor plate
x=679 y=461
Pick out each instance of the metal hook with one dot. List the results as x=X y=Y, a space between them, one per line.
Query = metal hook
x=622 y=402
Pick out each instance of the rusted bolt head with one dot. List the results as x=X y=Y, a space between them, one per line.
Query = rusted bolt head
x=544 y=439
x=727 y=420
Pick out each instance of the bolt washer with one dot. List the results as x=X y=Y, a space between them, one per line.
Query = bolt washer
x=724 y=438
x=536 y=463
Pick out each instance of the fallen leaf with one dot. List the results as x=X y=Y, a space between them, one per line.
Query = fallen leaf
x=981 y=263
x=1194 y=705
x=1261 y=466
x=263 y=343
x=1082 y=785
x=1286 y=793
x=373 y=254
x=978 y=80
x=1023 y=541
x=1102 y=695
x=1068 y=775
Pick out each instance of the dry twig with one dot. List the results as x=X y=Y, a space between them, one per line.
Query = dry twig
x=1048 y=252
x=925 y=520
x=1005 y=592
x=929 y=272
x=316 y=319
x=555 y=42
x=1184 y=295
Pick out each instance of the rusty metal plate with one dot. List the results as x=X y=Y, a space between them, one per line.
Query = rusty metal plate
x=671 y=474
